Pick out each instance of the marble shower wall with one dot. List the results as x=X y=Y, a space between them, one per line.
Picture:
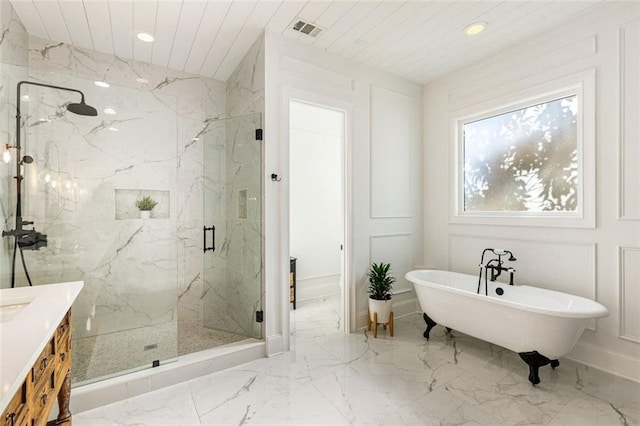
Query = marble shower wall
x=215 y=299
x=243 y=243
x=100 y=164
x=13 y=60
x=233 y=284
x=232 y=204
x=13 y=37
x=131 y=266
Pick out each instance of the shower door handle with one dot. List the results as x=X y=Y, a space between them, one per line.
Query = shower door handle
x=213 y=238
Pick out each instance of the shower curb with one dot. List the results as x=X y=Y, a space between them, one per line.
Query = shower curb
x=187 y=367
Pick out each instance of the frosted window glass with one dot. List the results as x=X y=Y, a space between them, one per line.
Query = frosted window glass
x=523 y=160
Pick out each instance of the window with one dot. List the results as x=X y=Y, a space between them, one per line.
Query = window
x=523 y=160
x=528 y=162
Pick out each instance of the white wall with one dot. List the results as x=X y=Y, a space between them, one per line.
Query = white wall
x=597 y=263
x=316 y=197
x=295 y=67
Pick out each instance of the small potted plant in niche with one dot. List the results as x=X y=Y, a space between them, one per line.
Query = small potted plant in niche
x=145 y=205
x=380 y=284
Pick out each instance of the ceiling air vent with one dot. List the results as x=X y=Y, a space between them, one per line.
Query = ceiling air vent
x=307 y=28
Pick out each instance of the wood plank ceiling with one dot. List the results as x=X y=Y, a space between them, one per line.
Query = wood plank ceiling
x=416 y=40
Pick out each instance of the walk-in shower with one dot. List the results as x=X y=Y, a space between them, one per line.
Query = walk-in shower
x=151 y=293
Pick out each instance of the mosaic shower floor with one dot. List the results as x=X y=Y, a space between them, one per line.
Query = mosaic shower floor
x=335 y=378
x=115 y=353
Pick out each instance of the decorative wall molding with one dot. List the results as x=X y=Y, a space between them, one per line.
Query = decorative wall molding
x=602 y=358
x=396 y=249
x=629 y=150
x=391 y=154
x=628 y=301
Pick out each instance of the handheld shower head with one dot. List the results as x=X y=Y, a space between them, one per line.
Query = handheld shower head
x=27 y=159
x=82 y=109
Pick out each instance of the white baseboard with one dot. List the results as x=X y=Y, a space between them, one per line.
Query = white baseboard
x=274 y=345
x=602 y=359
x=400 y=309
x=316 y=287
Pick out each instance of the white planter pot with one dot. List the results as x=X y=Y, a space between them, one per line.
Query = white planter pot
x=145 y=214
x=382 y=308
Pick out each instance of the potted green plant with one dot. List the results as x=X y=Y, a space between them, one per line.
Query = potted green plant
x=380 y=285
x=145 y=205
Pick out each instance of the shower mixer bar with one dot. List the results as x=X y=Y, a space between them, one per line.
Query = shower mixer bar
x=29 y=239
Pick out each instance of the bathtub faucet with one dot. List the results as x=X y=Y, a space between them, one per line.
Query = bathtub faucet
x=496 y=267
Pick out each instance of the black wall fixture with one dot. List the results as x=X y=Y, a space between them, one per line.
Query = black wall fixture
x=29 y=239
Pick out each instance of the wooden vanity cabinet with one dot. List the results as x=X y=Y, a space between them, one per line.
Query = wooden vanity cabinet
x=17 y=412
x=48 y=380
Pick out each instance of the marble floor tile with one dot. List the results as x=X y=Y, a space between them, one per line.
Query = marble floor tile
x=586 y=411
x=330 y=377
x=169 y=406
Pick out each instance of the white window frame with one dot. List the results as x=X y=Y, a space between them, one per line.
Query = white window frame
x=583 y=86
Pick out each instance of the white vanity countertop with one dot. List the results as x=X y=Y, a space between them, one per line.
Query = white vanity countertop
x=28 y=318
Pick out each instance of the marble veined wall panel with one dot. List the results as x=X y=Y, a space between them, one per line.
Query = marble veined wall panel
x=13 y=60
x=233 y=298
x=244 y=235
x=129 y=266
x=200 y=103
x=13 y=37
x=10 y=75
x=245 y=86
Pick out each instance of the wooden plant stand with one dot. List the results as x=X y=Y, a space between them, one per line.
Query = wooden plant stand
x=376 y=323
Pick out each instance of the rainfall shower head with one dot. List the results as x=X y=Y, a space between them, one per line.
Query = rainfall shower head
x=82 y=109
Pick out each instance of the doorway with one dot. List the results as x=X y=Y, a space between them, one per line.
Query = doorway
x=317 y=218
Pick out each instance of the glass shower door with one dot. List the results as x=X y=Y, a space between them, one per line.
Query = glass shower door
x=232 y=232
x=81 y=191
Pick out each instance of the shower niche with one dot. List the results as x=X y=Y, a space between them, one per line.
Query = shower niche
x=125 y=203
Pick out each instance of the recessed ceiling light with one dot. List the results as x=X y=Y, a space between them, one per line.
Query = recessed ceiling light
x=146 y=37
x=109 y=111
x=101 y=83
x=113 y=129
x=475 y=28
x=25 y=98
x=142 y=80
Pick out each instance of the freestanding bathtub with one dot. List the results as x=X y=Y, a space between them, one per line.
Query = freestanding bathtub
x=540 y=325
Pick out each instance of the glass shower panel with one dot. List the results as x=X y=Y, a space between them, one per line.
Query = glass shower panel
x=233 y=206
x=10 y=75
x=81 y=192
